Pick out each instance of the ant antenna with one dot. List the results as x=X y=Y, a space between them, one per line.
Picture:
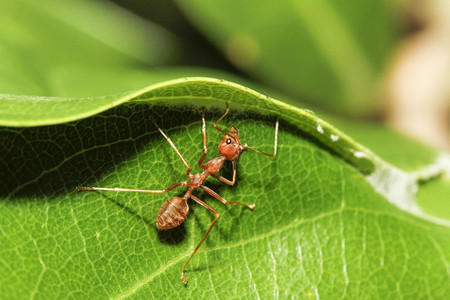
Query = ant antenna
x=218 y=121
x=274 y=144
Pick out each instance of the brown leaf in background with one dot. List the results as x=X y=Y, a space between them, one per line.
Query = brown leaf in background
x=419 y=84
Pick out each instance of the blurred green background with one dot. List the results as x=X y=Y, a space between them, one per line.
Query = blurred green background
x=382 y=61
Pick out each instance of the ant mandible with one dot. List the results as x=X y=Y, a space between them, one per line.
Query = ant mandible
x=174 y=211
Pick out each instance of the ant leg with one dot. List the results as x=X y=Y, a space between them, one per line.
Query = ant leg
x=83 y=188
x=218 y=197
x=227 y=181
x=274 y=145
x=218 y=121
x=204 y=237
x=188 y=172
x=205 y=148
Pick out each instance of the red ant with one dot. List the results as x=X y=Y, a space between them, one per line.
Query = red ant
x=174 y=211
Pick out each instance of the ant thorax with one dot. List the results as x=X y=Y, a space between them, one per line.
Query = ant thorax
x=214 y=165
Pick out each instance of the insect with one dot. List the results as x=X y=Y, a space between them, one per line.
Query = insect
x=174 y=211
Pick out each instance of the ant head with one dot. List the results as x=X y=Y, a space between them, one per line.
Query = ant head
x=230 y=146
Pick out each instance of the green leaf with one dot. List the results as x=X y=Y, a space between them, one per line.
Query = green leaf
x=319 y=227
x=433 y=198
x=326 y=52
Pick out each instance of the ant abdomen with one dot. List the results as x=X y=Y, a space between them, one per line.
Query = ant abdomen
x=172 y=213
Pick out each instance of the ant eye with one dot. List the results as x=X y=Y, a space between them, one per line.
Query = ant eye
x=228 y=141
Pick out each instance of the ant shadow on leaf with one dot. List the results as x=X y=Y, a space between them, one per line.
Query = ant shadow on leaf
x=49 y=162
x=172 y=236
